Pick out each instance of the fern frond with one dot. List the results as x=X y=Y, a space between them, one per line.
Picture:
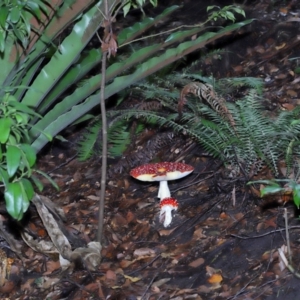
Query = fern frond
x=227 y=85
x=87 y=145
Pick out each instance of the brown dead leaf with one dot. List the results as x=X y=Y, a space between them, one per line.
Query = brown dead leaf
x=92 y=287
x=292 y=93
x=160 y=282
x=155 y=289
x=143 y=252
x=288 y=106
x=110 y=277
x=165 y=232
x=259 y=226
x=198 y=234
x=58 y=239
x=93 y=197
x=130 y=217
x=283 y=11
x=259 y=49
x=77 y=175
x=126 y=184
x=270 y=223
x=273 y=69
x=215 y=278
x=27 y=286
x=196 y=263
x=132 y=279
x=8 y=287
x=126 y=263
x=143 y=204
x=281 y=76
x=203 y=289
x=118 y=221
x=211 y=271
x=238 y=69
x=142 y=229
x=255 y=191
x=280 y=46
x=223 y=216
x=52 y=266
x=240 y=218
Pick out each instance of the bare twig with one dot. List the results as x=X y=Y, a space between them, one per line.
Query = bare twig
x=104 y=140
x=148 y=286
x=287 y=235
x=165 y=32
x=63 y=164
x=285 y=261
x=264 y=234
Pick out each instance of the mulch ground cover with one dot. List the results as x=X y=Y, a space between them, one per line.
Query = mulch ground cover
x=223 y=240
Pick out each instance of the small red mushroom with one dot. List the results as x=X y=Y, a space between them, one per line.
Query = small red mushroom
x=166 y=207
x=162 y=172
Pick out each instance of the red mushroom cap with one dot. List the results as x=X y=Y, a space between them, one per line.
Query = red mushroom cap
x=169 y=201
x=161 y=171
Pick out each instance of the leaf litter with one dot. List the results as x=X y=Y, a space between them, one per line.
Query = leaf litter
x=221 y=244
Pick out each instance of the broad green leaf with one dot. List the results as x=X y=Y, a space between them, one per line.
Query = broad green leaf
x=15 y=203
x=3 y=16
x=26 y=25
x=13 y=157
x=295 y=122
x=5 y=125
x=153 y=2
x=268 y=182
x=2 y=41
x=28 y=154
x=27 y=188
x=296 y=195
x=23 y=108
x=272 y=189
x=22 y=118
x=126 y=8
x=48 y=178
x=230 y=15
x=34 y=8
x=20 y=36
x=37 y=183
x=43 y=7
x=212 y=7
x=4 y=177
x=12 y=140
x=15 y=15
x=140 y=2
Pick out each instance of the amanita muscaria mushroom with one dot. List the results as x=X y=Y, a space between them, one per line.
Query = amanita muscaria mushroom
x=166 y=207
x=162 y=172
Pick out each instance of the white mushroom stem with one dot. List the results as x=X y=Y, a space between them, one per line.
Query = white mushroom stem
x=166 y=214
x=163 y=191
